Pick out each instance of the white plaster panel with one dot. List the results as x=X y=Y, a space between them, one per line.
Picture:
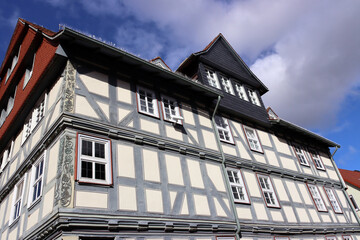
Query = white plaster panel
x=2 y=211
x=55 y=114
x=123 y=91
x=333 y=175
x=13 y=233
x=323 y=174
x=149 y=126
x=303 y=216
x=48 y=202
x=219 y=210
x=276 y=215
x=281 y=145
x=204 y=119
x=279 y=186
x=194 y=134
x=174 y=170
x=325 y=217
x=341 y=218
x=188 y=115
x=229 y=149
x=83 y=107
x=4 y=234
x=13 y=165
x=251 y=180
x=243 y=150
x=105 y=108
x=17 y=143
x=9 y=202
x=127 y=198
x=288 y=163
x=216 y=177
x=174 y=133
x=195 y=174
x=125 y=159
x=154 y=201
x=306 y=170
x=259 y=158
x=96 y=83
x=172 y=198
x=289 y=213
x=325 y=159
x=293 y=191
x=334 y=219
x=264 y=138
x=271 y=158
x=314 y=215
x=305 y=193
x=53 y=93
x=209 y=139
x=201 y=205
x=53 y=161
x=36 y=135
x=341 y=197
x=122 y=113
x=260 y=211
x=244 y=212
x=33 y=218
x=91 y=199
x=184 y=207
x=151 y=166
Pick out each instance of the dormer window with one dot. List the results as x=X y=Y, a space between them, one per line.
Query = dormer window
x=241 y=92
x=13 y=64
x=227 y=85
x=29 y=71
x=254 y=98
x=212 y=78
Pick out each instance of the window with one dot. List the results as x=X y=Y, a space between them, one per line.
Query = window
x=300 y=154
x=331 y=238
x=147 y=102
x=241 y=92
x=226 y=83
x=316 y=159
x=34 y=118
x=3 y=117
x=94 y=160
x=171 y=110
x=254 y=97
x=268 y=191
x=223 y=128
x=237 y=186
x=352 y=199
x=253 y=139
x=29 y=71
x=6 y=156
x=37 y=173
x=347 y=237
x=17 y=200
x=333 y=200
x=13 y=64
x=212 y=78
x=6 y=112
x=315 y=194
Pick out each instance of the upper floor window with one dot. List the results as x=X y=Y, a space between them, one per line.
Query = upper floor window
x=253 y=139
x=94 y=160
x=171 y=110
x=6 y=156
x=226 y=83
x=300 y=154
x=352 y=199
x=17 y=200
x=333 y=200
x=254 y=97
x=29 y=71
x=268 y=191
x=317 y=198
x=316 y=159
x=223 y=128
x=13 y=64
x=36 y=186
x=237 y=186
x=147 y=102
x=347 y=237
x=241 y=91
x=212 y=78
x=34 y=118
x=6 y=112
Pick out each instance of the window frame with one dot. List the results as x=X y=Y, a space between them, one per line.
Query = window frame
x=335 y=199
x=210 y=80
x=15 y=201
x=321 y=198
x=154 y=102
x=294 y=146
x=177 y=110
x=343 y=237
x=311 y=151
x=272 y=190
x=108 y=181
x=33 y=181
x=227 y=130
x=226 y=84
x=254 y=98
x=241 y=89
x=237 y=185
x=245 y=128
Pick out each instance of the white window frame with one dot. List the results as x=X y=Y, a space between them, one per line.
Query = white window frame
x=227 y=86
x=154 y=102
x=254 y=98
x=238 y=187
x=212 y=78
x=333 y=200
x=95 y=160
x=36 y=182
x=13 y=64
x=224 y=131
x=317 y=198
x=354 y=203
x=346 y=237
x=331 y=238
x=240 y=89
x=268 y=192
x=172 y=108
x=29 y=72
x=300 y=155
x=253 y=142
x=17 y=203
x=316 y=159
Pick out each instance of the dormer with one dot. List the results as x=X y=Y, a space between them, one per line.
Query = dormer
x=15 y=60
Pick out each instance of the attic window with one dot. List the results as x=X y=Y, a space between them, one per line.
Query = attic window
x=29 y=71
x=13 y=64
x=254 y=98
x=212 y=78
x=241 y=92
x=226 y=83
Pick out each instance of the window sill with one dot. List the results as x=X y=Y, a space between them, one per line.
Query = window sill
x=95 y=184
x=34 y=203
x=14 y=222
x=228 y=142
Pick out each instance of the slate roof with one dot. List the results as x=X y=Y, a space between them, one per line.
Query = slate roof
x=351 y=177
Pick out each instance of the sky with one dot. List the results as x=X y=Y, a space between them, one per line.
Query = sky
x=306 y=52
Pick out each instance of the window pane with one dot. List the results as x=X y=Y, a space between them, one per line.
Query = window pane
x=86 y=148
x=99 y=171
x=86 y=169
x=100 y=150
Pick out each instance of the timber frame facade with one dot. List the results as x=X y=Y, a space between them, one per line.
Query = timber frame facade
x=97 y=143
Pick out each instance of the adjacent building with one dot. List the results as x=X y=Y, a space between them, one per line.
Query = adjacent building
x=352 y=181
x=97 y=143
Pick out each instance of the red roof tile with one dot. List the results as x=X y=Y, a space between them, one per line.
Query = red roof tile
x=352 y=177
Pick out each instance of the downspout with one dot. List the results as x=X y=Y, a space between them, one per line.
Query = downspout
x=344 y=187
x=228 y=187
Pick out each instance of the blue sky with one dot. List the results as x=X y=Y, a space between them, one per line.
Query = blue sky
x=306 y=52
